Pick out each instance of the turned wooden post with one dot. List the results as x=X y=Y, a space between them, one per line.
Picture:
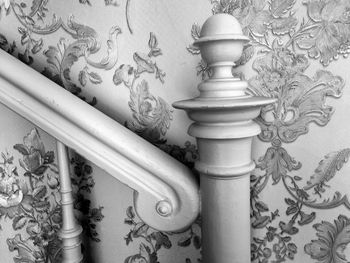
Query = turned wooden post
x=224 y=128
x=71 y=231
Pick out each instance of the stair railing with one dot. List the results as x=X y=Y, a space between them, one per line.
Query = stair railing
x=166 y=193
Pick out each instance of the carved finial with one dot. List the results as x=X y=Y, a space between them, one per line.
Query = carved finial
x=221 y=44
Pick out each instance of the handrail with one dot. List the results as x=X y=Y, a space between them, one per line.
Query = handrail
x=166 y=192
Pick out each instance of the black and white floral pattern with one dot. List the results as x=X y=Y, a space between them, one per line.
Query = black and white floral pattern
x=294 y=48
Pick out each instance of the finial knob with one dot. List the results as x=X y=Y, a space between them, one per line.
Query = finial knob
x=221 y=44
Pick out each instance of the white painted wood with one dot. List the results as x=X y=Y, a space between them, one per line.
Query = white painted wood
x=71 y=230
x=223 y=125
x=166 y=193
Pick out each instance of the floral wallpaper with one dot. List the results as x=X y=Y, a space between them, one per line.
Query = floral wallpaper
x=30 y=199
x=131 y=60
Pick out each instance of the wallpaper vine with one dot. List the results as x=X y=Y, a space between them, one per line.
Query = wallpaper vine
x=130 y=66
x=280 y=41
x=29 y=197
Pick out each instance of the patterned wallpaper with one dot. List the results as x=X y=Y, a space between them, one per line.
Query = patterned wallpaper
x=131 y=60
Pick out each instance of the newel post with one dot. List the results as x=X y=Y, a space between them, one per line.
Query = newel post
x=224 y=128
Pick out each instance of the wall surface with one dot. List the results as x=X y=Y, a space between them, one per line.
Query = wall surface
x=132 y=59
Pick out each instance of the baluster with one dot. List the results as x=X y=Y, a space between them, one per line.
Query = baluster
x=224 y=128
x=71 y=231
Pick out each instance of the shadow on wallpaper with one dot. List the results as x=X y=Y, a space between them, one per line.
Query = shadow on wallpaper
x=29 y=197
x=288 y=37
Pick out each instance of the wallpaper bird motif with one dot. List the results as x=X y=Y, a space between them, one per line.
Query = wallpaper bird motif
x=116 y=58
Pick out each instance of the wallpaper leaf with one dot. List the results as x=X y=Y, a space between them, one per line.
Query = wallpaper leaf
x=83 y=78
x=277 y=162
x=327 y=168
x=130 y=212
x=308 y=97
x=95 y=78
x=111 y=59
x=21 y=148
x=36 y=5
x=19 y=222
x=247 y=54
x=289 y=41
x=161 y=239
x=39 y=192
x=85 y=2
x=332 y=241
x=25 y=252
x=195 y=33
x=185 y=240
x=3 y=41
x=151 y=115
x=54 y=55
x=153 y=45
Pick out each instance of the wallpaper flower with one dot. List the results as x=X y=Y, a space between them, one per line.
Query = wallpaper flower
x=281 y=64
x=29 y=197
x=123 y=57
